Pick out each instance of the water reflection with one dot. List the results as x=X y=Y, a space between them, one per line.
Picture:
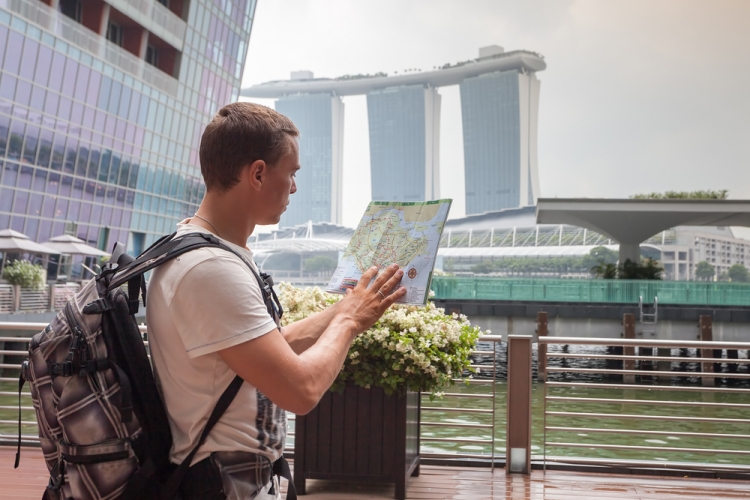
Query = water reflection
x=649 y=425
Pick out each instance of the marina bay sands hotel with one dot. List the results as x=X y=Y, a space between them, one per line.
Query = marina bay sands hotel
x=499 y=109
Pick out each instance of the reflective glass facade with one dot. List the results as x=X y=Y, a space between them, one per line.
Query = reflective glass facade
x=491 y=122
x=499 y=112
x=396 y=117
x=93 y=136
x=319 y=118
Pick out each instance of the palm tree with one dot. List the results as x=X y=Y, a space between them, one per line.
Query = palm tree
x=604 y=270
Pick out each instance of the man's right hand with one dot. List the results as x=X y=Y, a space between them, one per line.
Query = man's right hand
x=367 y=302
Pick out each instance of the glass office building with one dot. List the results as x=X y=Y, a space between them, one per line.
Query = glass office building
x=499 y=113
x=320 y=120
x=404 y=143
x=102 y=106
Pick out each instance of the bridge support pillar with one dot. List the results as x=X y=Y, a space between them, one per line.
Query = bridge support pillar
x=628 y=332
x=541 y=350
x=705 y=323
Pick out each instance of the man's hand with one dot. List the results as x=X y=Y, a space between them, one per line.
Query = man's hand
x=296 y=382
x=367 y=302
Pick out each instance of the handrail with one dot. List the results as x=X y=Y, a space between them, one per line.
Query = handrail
x=675 y=344
x=572 y=406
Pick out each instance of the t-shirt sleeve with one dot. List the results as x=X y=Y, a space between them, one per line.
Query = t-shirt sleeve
x=218 y=304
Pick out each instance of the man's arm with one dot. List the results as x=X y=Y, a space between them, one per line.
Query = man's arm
x=301 y=334
x=296 y=382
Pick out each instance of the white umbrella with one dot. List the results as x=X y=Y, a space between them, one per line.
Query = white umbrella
x=70 y=245
x=14 y=242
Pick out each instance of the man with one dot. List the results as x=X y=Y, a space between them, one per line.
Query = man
x=208 y=321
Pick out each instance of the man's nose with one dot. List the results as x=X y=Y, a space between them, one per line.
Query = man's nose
x=294 y=187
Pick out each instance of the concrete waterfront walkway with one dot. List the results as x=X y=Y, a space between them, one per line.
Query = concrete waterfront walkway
x=437 y=482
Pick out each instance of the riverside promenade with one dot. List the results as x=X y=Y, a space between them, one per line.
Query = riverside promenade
x=443 y=482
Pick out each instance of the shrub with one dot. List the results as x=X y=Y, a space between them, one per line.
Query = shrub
x=24 y=273
x=410 y=347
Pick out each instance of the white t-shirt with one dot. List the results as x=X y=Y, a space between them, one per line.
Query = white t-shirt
x=199 y=303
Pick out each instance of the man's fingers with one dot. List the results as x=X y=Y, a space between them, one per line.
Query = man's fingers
x=384 y=276
x=366 y=277
x=390 y=299
x=392 y=282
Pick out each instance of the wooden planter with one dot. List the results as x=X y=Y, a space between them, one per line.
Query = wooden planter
x=360 y=435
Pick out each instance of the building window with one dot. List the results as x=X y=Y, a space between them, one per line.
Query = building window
x=114 y=33
x=152 y=55
x=683 y=255
x=101 y=244
x=71 y=228
x=71 y=8
x=139 y=243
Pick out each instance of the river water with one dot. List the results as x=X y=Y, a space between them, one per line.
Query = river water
x=663 y=433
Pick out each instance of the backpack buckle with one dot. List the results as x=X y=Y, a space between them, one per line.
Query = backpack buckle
x=97 y=306
x=64 y=369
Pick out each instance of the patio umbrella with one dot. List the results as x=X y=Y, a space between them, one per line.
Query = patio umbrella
x=14 y=242
x=70 y=245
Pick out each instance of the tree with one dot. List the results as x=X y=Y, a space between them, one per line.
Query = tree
x=319 y=264
x=739 y=273
x=598 y=255
x=25 y=274
x=704 y=271
x=604 y=271
x=650 y=270
x=707 y=194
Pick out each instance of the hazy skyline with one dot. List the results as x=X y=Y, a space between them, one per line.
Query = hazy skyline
x=637 y=96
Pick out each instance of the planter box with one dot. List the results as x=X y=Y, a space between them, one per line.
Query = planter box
x=360 y=435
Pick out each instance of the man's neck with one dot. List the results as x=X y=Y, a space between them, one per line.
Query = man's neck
x=222 y=218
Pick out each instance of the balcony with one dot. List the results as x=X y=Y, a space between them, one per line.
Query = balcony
x=156 y=18
x=76 y=34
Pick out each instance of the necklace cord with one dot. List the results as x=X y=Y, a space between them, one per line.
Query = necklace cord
x=209 y=222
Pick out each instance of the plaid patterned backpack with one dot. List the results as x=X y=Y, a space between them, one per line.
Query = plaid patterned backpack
x=102 y=425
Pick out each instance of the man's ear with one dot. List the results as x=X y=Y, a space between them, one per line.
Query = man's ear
x=255 y=174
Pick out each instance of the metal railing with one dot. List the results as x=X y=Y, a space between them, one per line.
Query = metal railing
x=30 y=430
x=480 y=416
x=572 y=406
x=590 y=291
x=29 y=300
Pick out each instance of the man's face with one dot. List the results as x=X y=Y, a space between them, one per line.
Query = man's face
x=280 y=183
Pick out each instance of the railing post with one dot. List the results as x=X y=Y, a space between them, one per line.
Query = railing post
x=705 y=323
x=52 y=290
x=16 y=298
x=628 y=332
x=541 y=350
x=518 y=426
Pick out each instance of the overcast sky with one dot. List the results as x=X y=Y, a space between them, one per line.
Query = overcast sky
x=638 y=96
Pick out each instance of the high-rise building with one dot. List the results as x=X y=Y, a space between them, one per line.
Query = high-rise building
x=404 y=127
x=102 y=106
x=320 y=120
x=500 y=99
x=499 y=112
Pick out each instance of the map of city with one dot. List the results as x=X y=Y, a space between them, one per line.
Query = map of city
x=404 y=233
